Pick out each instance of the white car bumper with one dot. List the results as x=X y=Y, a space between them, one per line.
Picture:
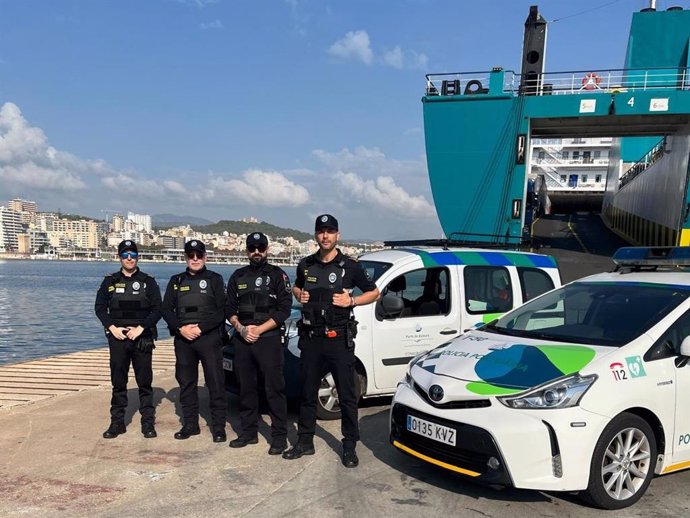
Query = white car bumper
x=548 y=450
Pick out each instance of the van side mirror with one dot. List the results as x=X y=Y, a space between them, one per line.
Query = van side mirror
x=389 y=306
x=685 y=347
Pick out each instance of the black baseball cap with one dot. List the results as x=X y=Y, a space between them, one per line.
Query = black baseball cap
x=125 y=245
x=194 y=246
x=257 y=239
x=326 y=221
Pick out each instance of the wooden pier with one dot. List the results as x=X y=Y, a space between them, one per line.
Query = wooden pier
x=34 y=380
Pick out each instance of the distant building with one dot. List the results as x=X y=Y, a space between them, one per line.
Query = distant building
x=170 y=241
x=118 y=223
x=142 y=221
x=26 y=209
x=10 y=227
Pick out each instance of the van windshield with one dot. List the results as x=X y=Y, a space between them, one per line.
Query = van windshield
x=596 y=313
x=374 y=270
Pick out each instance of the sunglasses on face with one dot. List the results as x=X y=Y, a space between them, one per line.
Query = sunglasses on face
x=195 y=255
x=261 y=248
x=129 y=255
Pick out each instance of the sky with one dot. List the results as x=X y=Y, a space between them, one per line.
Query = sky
x=274 y=109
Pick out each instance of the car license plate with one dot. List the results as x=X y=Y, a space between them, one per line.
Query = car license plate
x=434 y=431
x=227 y=364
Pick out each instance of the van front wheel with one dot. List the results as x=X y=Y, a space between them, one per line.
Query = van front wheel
x=328 y=404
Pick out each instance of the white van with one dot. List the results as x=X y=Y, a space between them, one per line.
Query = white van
x=430 y=295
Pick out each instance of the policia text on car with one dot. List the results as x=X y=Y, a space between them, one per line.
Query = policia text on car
x=259 y=302
x=128 y=304
x=324 y=285
x=194 y=309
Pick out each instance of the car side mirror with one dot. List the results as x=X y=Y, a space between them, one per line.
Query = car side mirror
x=685 y=347
x=389 y=306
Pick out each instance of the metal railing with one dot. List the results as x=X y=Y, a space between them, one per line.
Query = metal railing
x=644 y=163
x=560 y=83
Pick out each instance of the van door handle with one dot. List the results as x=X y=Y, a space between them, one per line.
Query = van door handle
x=449 y=331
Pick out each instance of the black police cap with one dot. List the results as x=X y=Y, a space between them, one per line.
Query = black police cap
x=194 y=246
x=326 y=221
x=126 y=245
x=257 y=239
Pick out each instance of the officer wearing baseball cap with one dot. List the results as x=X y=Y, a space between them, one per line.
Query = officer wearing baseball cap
x=259 y=302
x=194 y=309
x=128 y=304
x=324 y=285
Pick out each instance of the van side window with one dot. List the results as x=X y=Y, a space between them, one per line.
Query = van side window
x=534 y=282
x=424 y=292
x=487 y=289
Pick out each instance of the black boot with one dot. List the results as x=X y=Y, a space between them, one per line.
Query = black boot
x=114 y=430
x=187 y=431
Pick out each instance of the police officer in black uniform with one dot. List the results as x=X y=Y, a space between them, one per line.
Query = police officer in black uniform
x=259 y=301
x=194 y=309
x=128 y=304
x=324 y=286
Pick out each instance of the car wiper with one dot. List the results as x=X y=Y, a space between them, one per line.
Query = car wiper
x=498 y=330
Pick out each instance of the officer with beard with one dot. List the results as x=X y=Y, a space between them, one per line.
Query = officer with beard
x=259 y=301
x=194 y=309
x=128 y=304
x=324 y=285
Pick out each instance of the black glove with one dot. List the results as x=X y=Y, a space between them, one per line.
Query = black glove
x=145 y=344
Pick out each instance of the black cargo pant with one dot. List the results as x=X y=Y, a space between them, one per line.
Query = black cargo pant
x=122 y=354
x=208 y=350
x=319 y=355
x=265 y=356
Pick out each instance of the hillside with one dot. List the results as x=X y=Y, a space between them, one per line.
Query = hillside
x=242 y=227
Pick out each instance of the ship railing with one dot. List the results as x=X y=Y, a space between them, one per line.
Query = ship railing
x=500 y=81
x=652 y=156
x=611 y=81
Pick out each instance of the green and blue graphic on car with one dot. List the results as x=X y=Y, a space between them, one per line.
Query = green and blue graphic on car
x=515 y=367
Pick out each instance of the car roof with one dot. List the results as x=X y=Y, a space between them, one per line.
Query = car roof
x=658 y=276
x=436 y=256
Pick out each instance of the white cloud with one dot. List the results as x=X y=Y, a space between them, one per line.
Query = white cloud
x=394 y=58
x=370 y=162
x=383 y=184
x=28 y=160
x=197 y=3
x=215 y=24
x=384 y=195
x=355 y=45
x=261 y=188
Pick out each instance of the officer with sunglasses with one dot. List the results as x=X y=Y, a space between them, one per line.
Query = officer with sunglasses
x=194 y=309
x=128 y=304
x=259 y=301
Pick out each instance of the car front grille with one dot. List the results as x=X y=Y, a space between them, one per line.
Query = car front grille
x=461 y=404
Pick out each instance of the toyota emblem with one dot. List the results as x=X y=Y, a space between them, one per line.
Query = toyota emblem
x=436 y=392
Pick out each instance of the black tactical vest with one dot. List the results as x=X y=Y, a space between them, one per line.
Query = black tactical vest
x=322 y=281
x=195 y=299
x=129 y=305
x=255 y=305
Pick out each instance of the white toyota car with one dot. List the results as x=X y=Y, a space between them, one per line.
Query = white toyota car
x=584 y=388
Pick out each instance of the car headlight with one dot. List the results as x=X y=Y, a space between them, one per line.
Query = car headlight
x=562 y=393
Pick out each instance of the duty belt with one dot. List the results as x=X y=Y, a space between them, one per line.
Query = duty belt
x=327 y=332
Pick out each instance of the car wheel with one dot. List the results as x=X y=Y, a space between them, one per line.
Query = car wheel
x=623 y=463
x=328 y=404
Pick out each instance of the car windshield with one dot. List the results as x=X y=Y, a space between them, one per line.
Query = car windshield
x=596 y=313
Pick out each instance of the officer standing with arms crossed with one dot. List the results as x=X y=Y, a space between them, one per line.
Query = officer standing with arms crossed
x=128 y=304
x=324 y=286
x=259 y=302
x=194 y=309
